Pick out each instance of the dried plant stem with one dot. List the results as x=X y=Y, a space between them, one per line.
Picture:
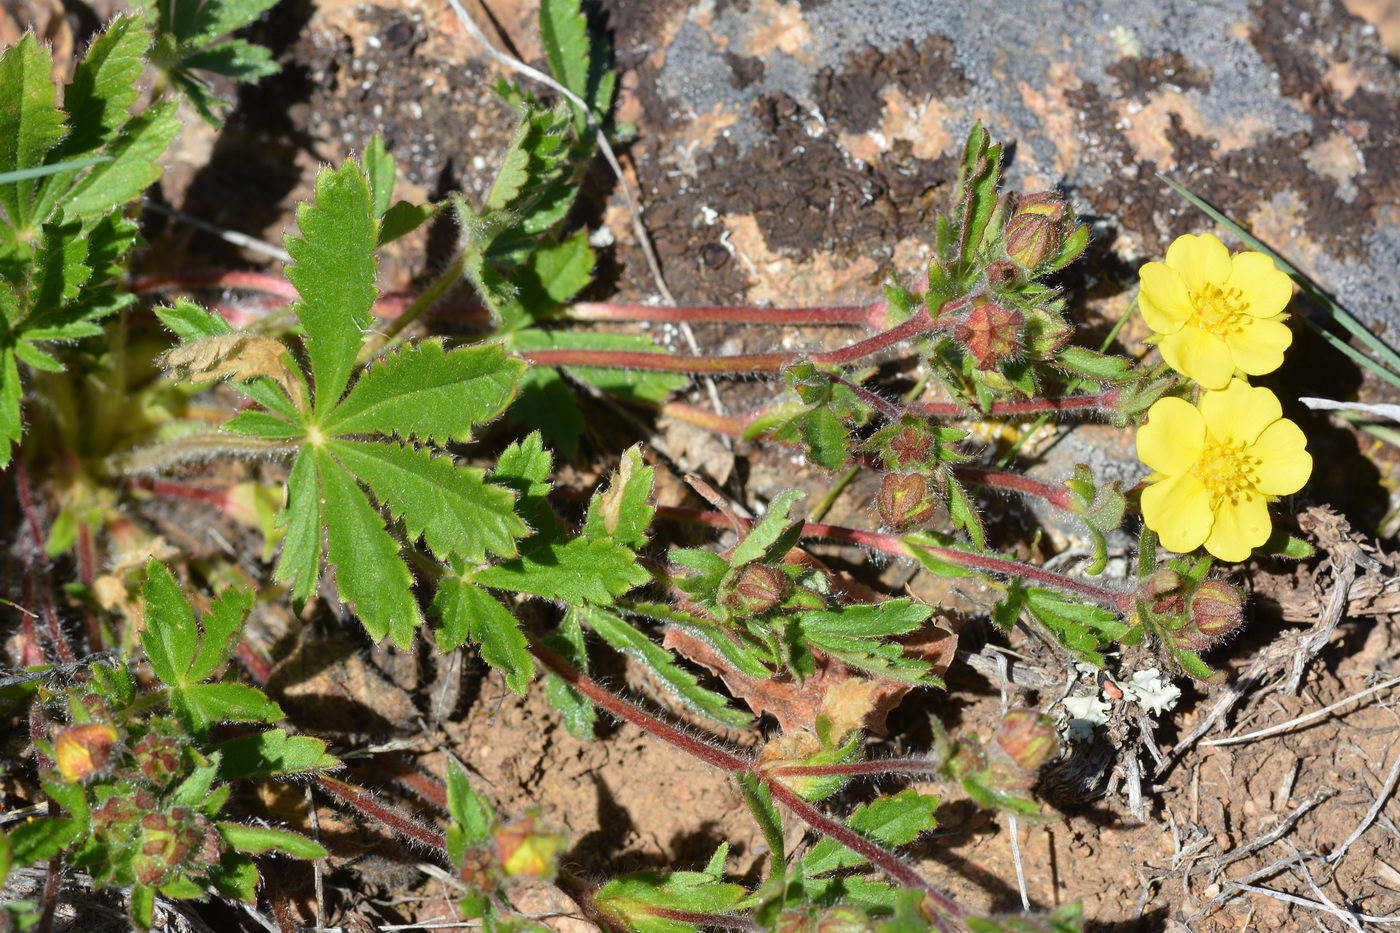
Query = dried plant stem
x=870 y=315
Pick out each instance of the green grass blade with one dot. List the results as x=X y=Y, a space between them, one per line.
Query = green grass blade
x=41 y=171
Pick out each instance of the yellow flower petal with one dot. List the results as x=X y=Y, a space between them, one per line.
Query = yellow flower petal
x=1239 y=528
x=1239 y=413
x=1173 y=437
x=1200 y=355
x=1165 y=304
x=1285 y=463
x=1266 y=290
x=1200 y=260
x=1258 y=347
x=1178 y=509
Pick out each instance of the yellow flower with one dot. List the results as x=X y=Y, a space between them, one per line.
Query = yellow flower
x=1215 y=313
x=1217 y=464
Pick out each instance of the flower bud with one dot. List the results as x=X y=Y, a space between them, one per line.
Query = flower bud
x=158 y=757
x=906 y=501
x=83 y=750
x=1217 y=608
x=1028 y=737
x=1002 y=275
x=758 y=589
x=843 y=918
x=991 y=333
x=1044 y=204
x=525 y=851
x=1031 y=239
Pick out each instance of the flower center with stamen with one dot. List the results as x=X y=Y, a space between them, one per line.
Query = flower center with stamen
x=1218 y=310
x=1227 y=471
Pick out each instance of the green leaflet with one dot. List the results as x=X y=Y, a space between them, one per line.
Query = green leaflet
x=334 y=275
x=425 y=393
x=271 y=753
x=623 y=511
x=369 y=573
x=300 y=560
x=582 y=570
x=187 y=44
x=256 y=840
x=681 y=682
x=452 y=508
x=891 y=821
x=472 y=815
x=30 y=123
x=465 y=612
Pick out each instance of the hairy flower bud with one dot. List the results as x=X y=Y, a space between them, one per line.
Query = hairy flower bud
x=1217 y=608
x=991 y=333
x=758 y=589
x=843 y=918
x=158 y=757
x=526 y=851
x=1028 y=737
x=1031 y=239
x=906 y=501
x=1162 y=582
x=83 y=750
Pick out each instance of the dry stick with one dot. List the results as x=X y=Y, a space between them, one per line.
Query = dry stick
x=1314 y=905
x=1386 y=790
x=223 y=233
x=1275 y=834
x=1301 y=720
x=726 y=760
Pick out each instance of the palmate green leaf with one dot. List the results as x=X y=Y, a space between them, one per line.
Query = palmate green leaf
x=237 y=59
x=452 y=508
x=623 y=511
x=582 y=570
x=429 y=394
x=39 y=840
x=525 y=466
x=30 y=124
x=370 y=575
x=183 y=652
x=255 y=840
x=334 y=276
x=891 y=821
x=465 y=612
x=58 y=272
x=272 y=753
x=679 y=681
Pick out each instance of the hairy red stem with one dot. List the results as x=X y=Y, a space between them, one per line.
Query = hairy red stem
x=896 y=546
x=42 y=594
x=870 y=315
x=920 y=323
x=719 y=921
x=360 y=799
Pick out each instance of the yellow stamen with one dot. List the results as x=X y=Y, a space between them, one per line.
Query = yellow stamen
x=1219 y=311
x=1227 y=471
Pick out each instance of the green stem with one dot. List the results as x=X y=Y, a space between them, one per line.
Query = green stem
x=819 y=510
x=190 y=448
x=393 y=335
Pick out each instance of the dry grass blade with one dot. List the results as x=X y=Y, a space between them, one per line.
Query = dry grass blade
x=1305 y=718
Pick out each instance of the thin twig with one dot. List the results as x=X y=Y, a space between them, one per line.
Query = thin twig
x=223 y=233
x=1314 y=905
x=1275 y=834
x=1306 y=718
x=1386 y=790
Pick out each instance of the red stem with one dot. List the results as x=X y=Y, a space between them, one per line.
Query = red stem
x=41 y=592
x=896 y=546
x=871 y=315
x=920 y=323
x=1058 y=496
x=399 y=822
x=721 y=921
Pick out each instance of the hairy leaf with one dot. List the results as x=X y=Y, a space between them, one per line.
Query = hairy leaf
x=466 y=611
x=271 y=753
x=256 y=840
x=579 y=715
x=623 y=511
x=891 y=821
x=427 y=393
x=300 y=561
x=582 y=570
x=369 y=574
x=334 y=275
x=452 y=508
x=30 y=124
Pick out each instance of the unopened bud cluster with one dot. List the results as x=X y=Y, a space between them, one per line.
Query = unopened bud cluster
x=1195 y=617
